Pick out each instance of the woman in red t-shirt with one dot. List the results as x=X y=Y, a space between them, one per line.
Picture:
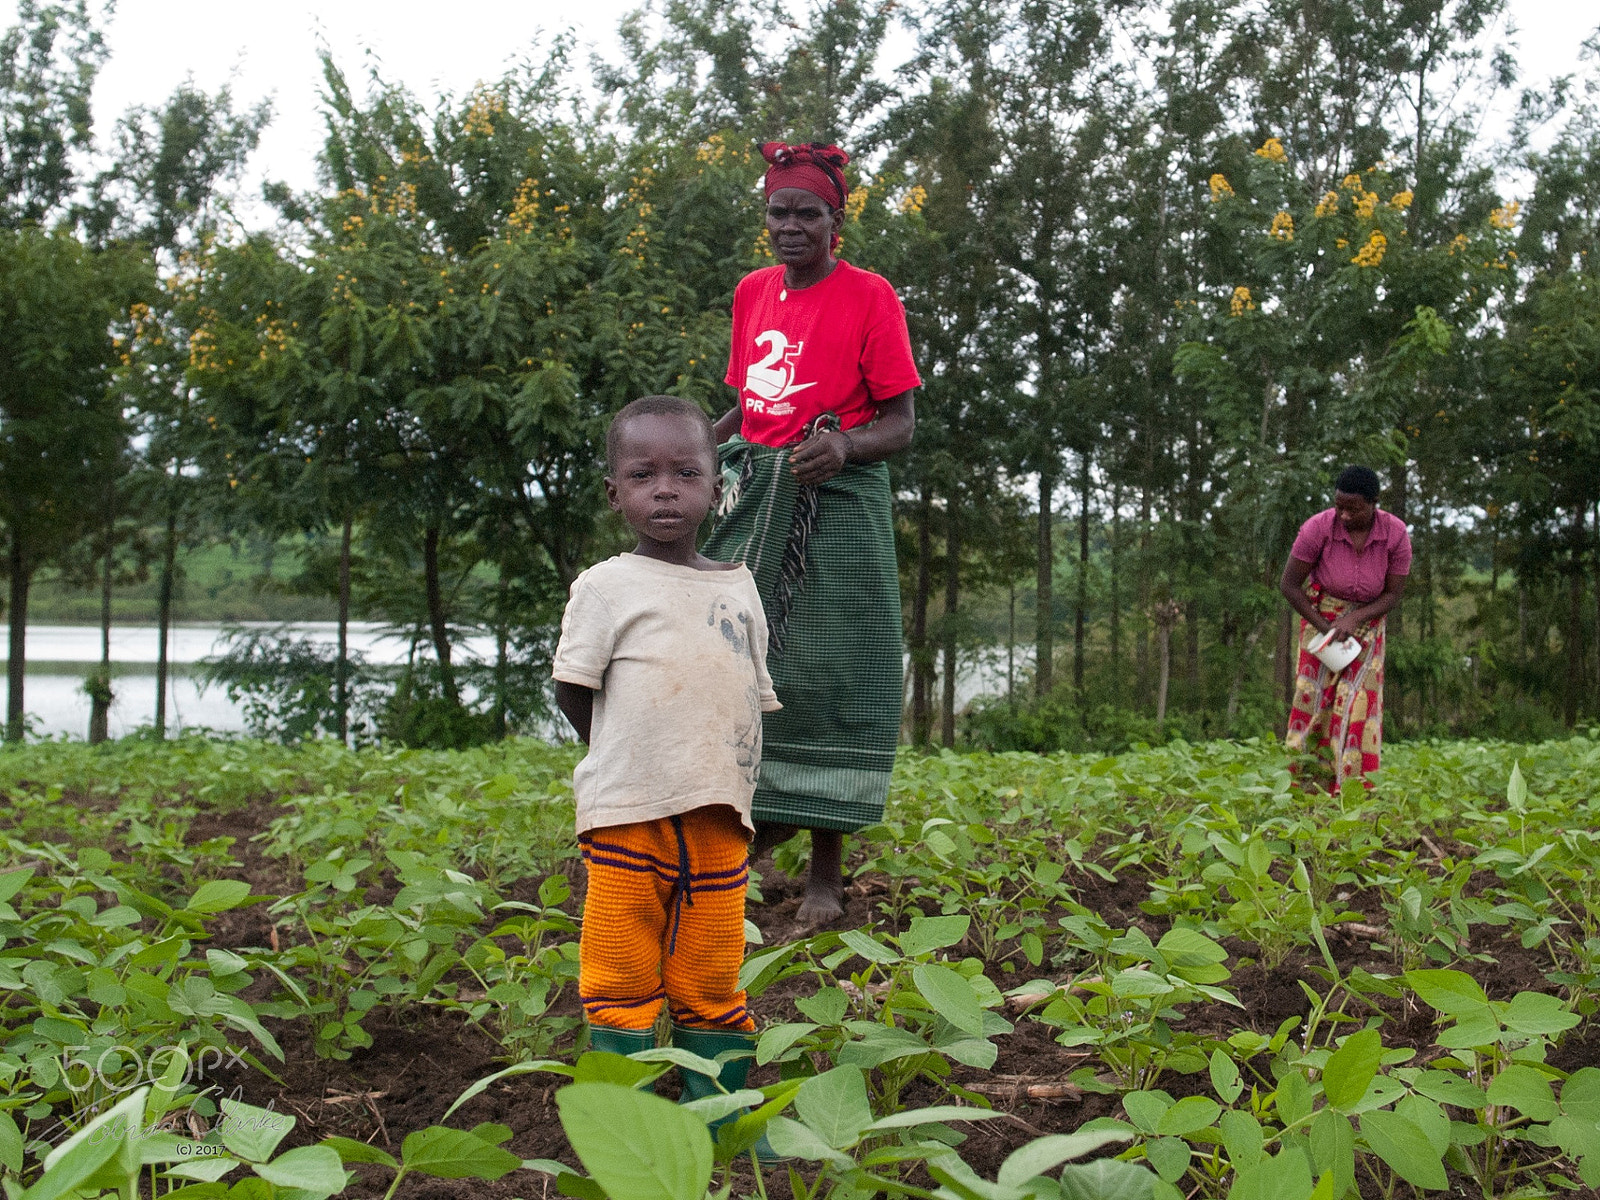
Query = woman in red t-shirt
x=1346 y=570
x=821 y=363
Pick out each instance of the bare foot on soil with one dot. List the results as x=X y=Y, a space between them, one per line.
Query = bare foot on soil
x=824 y=902
x=821 y=907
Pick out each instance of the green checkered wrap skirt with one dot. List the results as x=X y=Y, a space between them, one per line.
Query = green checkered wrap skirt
x=827 y=754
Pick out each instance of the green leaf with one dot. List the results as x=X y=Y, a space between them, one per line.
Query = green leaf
x=1535 y=1014
x=1242 y=1137
x=1449 y=1088
x=1144 y=1109
x=10 y=1144
x=910 y=1118
x=635 y=1144
x=794 y=1140
x=1225 y=1077
x=1404 y=1147
x=835 y=1106
x=933 y=933
x=250 y=1132
x=219 y=895
x=602 y=1066
x=351 y=1151
x=1047 y=1153
x=1106 y=1179
x=456 y=1154
x=1516 y=789
x=1525 y=1089
x=12 y=882
x=1187 y=1115
x=110 y=1138
x=1333 y=1149
x=314 y=1170
x=1169 y=1156
x=776 y=1039
x=827 y=1007
x=1429 y=1117
x=1285 y=1176
x=1580 y=1095
x=1350 y=1069
x=950 y=995
x=1453 y=993
x=872 y=951
x=759 y=970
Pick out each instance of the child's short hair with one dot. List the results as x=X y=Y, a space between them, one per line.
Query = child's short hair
x=650 y=406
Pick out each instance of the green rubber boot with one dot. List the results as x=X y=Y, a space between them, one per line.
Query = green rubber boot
x=708 y=1043
x=621 y=1041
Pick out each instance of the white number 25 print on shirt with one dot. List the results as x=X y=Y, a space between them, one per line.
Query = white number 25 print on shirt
x=771 y=379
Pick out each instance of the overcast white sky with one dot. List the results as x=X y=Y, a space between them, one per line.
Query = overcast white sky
x=271 y=51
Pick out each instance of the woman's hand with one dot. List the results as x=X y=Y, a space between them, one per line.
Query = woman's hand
x=1346 y=625
x=820 y=457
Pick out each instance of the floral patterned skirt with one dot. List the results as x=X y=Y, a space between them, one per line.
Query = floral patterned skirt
x=1337 y=716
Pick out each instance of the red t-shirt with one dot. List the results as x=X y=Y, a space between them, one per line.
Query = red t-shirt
x=838 y=346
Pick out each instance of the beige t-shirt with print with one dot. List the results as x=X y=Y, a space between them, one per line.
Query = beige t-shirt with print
x=678 y=661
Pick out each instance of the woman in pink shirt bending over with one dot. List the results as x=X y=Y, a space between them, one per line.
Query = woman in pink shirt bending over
x=1347 y=569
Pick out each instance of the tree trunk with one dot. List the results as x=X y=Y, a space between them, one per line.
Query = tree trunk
x=921 y=656
x=101 y=696
x=169 y=564
x=17 y=665
x=1242 y=667
x=341 y=668
x=952 y=595
x=1116 y=596
x=1164 y=645
x=1081 y=603
x=1574 y=638
x=1011 y=648
x=436 y=621
x=1141 y=646
x=1044 y=613
x=1191 y=631
x=1595 y=551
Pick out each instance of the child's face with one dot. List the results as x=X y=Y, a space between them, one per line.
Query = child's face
x=665 y=481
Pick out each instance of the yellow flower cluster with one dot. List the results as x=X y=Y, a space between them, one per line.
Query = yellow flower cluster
x=1241 y=302
x=353 y=223
x=1283 y=227
x=1505 y=217
x=1458 y=243
x=1366 y=204
x=484 y=107
x=1220 y=187
x=763 y=246
x=274 y=339
x=1351 y=183
x=711 y=151
x=911 y=202
x=1402 y=200
x=1328 y=205
x=1272 y=150
x=1371 y=254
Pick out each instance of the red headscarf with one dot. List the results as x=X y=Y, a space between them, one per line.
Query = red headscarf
x=814 y=167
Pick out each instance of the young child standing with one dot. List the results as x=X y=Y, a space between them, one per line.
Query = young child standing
x=661 y=669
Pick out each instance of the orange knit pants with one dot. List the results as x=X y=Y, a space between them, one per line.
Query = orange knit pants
x=664 y=919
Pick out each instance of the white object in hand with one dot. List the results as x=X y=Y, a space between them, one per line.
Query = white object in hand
x=1336 y=656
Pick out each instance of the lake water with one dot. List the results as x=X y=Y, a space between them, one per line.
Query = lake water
x=60 y=656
